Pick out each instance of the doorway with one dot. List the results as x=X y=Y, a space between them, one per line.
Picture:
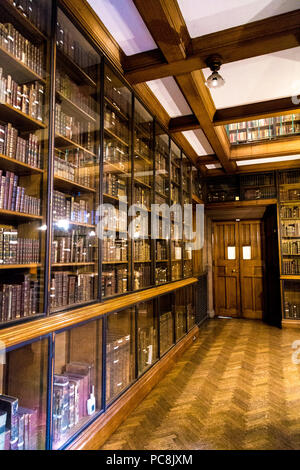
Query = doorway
x=238 y=268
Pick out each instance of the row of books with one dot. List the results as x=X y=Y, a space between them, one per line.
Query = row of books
x=33 y=10
x=119 y=363
x=187 y=268
x=142 y=196
x=176 y=270
x=291 y=266
x=291 y=247
x=141 y=276
x=72 y=92
x=143 y=147
x=75 y=247
x=13 y=197
x=23 y=50
x=114 y=281
x=286 y=129
x=118 y=95
x=290 y=230
x=66 y=42
x=14 y=250
x=26 y=150
x=161 y=250
x=290 y=212
x=289 y=194
x=27 y=98
x=175 y=174
x=290 y=177
x=257 y=180
x=161 y=274
x=263 y=193
x=147 y=345
x=115 y=250
x=70 y=288
x=76 y=166
x=19 y=298
x=263 y=122
x=114 y=185
x=80 y=132
x=65 y=207
x=166 y=325
x=18 y=425
x=115 y=124
x=142 y=250
x=117 y=154
x=291 y=310
x=73 y=398
x=115 y=220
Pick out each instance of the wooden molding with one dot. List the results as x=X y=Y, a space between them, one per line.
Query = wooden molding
x=259 y=110
x=260 y=37
x=98 y=432
x=274 y=148
x=236 y=204
x=183 y=123
x=290 y=323
x=36 y=328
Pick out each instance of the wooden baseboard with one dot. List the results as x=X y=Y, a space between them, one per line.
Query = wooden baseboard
x=98 y=432
x=290 y=323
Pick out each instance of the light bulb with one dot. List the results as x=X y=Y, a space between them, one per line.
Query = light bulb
x=215 y=80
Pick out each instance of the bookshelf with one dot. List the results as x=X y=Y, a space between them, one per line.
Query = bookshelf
x=147 y=333
x=289 y=240
x=166 y=322
x=176 y=222
x=188 y=219
x=23 y=155
x=263 y=129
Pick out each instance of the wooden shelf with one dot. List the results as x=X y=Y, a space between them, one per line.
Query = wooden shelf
x=287 y=203
x=290 y=186
x=290 y=277
x=65 y=184
x=112 y=168
x=79 y=224
x=22 y=121
x=20 y=72
x=256 y=202
x=289 y=323
x=142 y=157
x=11 y=164
x=62 y=265
x=114 y=262
x=142 y=261
x=74 y=70
x=113 y=198
x=197 y=199
x=141 y=183
x=35 y=34
x=63 y=142
x=116 y=109
x=114 y=136
x=20 y=215
x=161 y=261
x=74 y=109
x=20 y=266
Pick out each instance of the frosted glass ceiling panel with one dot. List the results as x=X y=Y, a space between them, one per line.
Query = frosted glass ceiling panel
x=198 y=141
x=125 y=24
x=205 y=17
x=257 y=161
x=261 y=78
x=168 y=93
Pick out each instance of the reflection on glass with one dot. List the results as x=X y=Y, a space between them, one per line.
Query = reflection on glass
x=74 y=273
x=180 y=313
x=190 y=305
x=187 y=199
x=147 y=336
x=77 y=380
x=116 y=184
x=23 y=152
x=166 y=322
x=23 y=398
x=292 y=300
x=120 y=352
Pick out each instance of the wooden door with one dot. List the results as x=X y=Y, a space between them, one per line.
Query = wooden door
x=251 y=268
x=238 y=269
x=226 y=269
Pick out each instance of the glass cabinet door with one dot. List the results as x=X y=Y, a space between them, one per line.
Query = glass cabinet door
x=176 y=222
x=24 y=116
x=147 y=336
x=23 y=397
x=166 y=322
x=161 y=197
x=291 y=299
x=77 y=381
x=120 y=352
x=116 y=185
x=180 y=313
x=74 y=257
x=190 y=305
x=142 y=196
x=187 y=219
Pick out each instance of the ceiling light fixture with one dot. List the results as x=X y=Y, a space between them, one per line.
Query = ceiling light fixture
x=215 y=80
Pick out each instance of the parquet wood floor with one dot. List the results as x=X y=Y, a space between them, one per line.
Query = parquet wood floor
x=235 y=388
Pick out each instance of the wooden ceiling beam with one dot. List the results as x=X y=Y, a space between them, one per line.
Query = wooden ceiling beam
x=274 y=148
x=242 y=42
x=184 y=123
x=247 y=112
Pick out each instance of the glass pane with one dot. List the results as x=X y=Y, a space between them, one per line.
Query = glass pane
x=120 y=352
x=23 y=397
x=176 y=217
x=231 y=252
x=180 y=313
x=142 y=197
x=147 y=336
x=187 y=221
x=166 y=323
x=24 y=108
x=74 y=273
x=161 y=196
x=77 y=380
x=190 y=303
x=292 y=300
x=116 y=185
x=246 y=252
